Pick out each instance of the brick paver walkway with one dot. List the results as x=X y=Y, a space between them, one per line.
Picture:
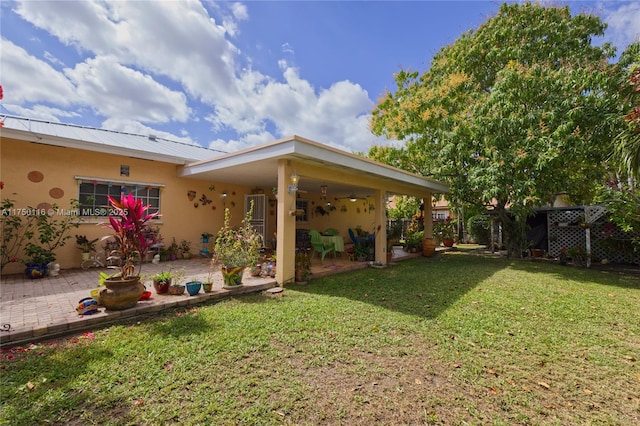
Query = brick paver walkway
x=32 y=310
x=45 y=308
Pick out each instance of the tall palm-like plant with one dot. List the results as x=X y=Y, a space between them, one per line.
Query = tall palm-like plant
x=129 y=224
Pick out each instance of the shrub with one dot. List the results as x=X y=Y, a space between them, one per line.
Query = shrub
x=479 y=228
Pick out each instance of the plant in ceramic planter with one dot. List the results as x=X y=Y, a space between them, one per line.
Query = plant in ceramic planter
x=414 y=241
x=85 y=245
x=130 y=227
x=193 y=287
x=185 y=249
x=161 y=281
x=207 y=283
x=173 y=250
x=236 y=248
x=49 y=233
x=444 y=231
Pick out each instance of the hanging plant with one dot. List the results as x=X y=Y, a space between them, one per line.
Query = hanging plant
x=321 y=211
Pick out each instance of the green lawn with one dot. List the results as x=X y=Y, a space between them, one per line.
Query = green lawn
x=455 y=339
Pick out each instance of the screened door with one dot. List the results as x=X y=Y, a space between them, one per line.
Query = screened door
x=259 y=214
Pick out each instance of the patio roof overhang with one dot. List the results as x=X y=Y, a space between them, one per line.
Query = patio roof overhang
x=316 y=164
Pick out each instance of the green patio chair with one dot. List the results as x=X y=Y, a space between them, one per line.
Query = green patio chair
x=320 y=247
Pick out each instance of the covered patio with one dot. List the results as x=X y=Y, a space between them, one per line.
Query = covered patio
x=295 y=166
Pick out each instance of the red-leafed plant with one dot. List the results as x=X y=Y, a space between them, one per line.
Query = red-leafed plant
x=128 y=221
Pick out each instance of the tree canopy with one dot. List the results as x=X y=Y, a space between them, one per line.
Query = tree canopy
x=510 y=114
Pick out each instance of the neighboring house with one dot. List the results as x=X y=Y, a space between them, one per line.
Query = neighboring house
x=46 y=164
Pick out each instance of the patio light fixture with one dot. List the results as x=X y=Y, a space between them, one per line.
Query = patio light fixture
x=224 y=198
x=294 y=182
x=353 y=198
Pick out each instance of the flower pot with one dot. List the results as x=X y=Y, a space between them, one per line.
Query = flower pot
x=161 y=287
x=193 y=287
x=176 y=290
x=86 y=256
x=537 y=252
x=428 y=247
x=207 y=287
x=232 y=276
x=35 y=270
x=121 y=294
x=447 y=242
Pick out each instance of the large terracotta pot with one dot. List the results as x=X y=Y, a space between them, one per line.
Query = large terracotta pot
x=232 y=276
x=447 y=242
x=428 y=247
x=121 y=294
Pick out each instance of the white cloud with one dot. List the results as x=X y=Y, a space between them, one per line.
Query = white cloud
x=117 y=91
x=40 y=112
x=287 y=48
x=153 y=62
x=131 y=126
x=624 y=24
x=27 y=79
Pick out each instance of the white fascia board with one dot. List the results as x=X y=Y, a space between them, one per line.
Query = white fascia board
x=90 y=146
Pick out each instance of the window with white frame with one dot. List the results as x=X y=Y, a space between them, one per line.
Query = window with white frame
x=93 y=193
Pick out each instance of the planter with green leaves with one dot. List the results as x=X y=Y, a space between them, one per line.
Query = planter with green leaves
x=236 y=248
x=47 y=234
x=130 y=227
x=86 y=246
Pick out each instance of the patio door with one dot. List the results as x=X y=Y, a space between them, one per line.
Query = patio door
x=259 y=214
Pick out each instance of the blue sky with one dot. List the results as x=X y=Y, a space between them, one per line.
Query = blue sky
x=229 y=75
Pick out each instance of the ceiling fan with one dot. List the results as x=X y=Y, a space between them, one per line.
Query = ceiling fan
x=353 y=198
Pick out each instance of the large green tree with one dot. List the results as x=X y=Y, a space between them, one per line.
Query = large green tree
x=628 y=140
x=509 y=115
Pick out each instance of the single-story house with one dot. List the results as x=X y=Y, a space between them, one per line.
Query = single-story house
x=294 y=182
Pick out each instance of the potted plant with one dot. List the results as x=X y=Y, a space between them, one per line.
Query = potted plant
x=49 y=233
x=414 y=241
x=236 y=248
x=38 y=259
x=86 y=246
x=207 y=284
x=445 y=231
x=193 y=287
x=173 y=250
x=302 y=267
x=185 y=249
x=129 y=225
x=177 y=287
x=161 y=281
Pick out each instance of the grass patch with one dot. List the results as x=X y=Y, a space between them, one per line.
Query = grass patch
x=453 y=339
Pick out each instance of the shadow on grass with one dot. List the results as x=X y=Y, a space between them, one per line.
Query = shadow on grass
x=624 y=276
x=53 y=381
x=422 y=287
x=178 y=323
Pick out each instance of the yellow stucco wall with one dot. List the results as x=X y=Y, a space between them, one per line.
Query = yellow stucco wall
x=58 y=166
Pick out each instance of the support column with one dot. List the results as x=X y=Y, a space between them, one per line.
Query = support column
x=428 y=209
x=380 y=225
x=428 y=243
x=286 y=226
